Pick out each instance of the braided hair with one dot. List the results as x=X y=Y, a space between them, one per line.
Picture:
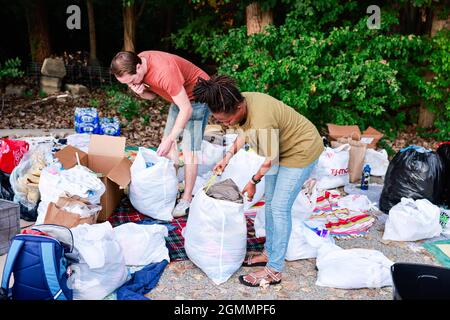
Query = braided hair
x=219 y=93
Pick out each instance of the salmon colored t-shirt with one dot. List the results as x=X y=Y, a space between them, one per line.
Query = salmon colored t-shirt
x=168 y=73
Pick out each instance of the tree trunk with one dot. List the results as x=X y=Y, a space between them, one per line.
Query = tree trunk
x=426 y=117
x=129 y=27
x=36 y=15
x=92 y=33
x=257 y=19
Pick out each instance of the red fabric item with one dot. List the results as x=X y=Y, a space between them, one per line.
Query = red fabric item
x=11 y=152
x=35 y=232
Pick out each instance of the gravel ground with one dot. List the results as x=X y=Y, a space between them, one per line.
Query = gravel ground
x=183 y=280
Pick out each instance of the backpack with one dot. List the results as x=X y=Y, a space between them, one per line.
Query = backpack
x=39 y=265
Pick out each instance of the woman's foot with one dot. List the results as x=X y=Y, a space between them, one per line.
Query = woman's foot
x=267 y=276
x=256 y=260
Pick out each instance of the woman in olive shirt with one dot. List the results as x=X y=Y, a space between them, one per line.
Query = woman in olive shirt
x=291 y=146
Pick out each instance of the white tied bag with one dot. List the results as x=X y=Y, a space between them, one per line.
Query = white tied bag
x=332 y=169
x=352 y=268
x=241 y=168
x=411 y=220
x=102 y=268
x=142 y=244
x=378 y=161
x=153 y=190
x=215 y=236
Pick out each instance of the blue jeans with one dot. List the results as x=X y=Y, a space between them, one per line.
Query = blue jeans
x=281 y=189
x=195 y=127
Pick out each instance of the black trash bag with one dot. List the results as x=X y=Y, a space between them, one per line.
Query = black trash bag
x=414 y=173
x=6 y=191
x=28 y=214
x=444 y=152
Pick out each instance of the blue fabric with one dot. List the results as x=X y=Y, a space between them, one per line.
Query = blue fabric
x=48 y=258
x=14 y=250
x=151 y=221
x=417 y=148
x=142 y=282
x=281 y=189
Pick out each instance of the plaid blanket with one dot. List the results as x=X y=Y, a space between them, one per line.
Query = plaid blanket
x=175 y=242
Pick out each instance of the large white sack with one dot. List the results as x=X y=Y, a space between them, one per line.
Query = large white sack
x=378 y=161
x=302 y=208
x=153 y=190
x=411 y=220
x=215 y=236
x=142 y=244
x=241 y=168
x=352 y=268
x=102 y=268
x=332 y=169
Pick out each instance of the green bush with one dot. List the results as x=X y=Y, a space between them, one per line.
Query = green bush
x=126 y=104
x=325 y=62
x=11 y=69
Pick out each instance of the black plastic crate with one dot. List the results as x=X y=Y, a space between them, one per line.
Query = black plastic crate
x=9 y=223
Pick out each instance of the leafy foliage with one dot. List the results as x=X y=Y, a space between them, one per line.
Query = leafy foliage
x=11 y=69
x=325 y=62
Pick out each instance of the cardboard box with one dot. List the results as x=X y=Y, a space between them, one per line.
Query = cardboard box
x=371 y=137
x=106 y=155
x=57 y=215
x=335 y=132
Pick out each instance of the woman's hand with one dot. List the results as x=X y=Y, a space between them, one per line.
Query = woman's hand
x=250 y=189
x=220 y=166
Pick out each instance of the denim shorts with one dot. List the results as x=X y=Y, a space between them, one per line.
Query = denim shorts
x=195 y=127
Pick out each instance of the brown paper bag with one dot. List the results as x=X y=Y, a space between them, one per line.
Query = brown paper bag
x=371 y=137
x=357 y=154
x=335 y=132
x=56 y=215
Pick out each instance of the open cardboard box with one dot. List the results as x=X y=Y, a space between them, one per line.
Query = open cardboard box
x=370 y=136
x=105 y=156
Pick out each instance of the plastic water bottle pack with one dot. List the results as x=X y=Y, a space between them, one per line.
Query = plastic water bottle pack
x=86 y=120
x=110 y=126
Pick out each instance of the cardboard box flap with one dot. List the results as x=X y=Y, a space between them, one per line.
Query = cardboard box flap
x=109 y=146
x=121 y=174
x=68 y=158
x=335 y=132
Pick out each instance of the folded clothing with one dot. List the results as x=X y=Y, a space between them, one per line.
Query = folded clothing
x=225 y=190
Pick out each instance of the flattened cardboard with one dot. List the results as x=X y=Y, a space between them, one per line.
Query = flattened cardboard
x=335 y=132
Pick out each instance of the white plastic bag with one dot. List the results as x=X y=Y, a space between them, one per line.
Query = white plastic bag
x=215 y=236
x=411 y=220
x=352 y=268
x=304 y=242
x=260 y=222
x=210 y=155
x=78 y=181
x=142 y=244
x=332 y=169
x=356 y=203
x=154 y=185
x=242 y=166
x=378 y=161
x=102 y=268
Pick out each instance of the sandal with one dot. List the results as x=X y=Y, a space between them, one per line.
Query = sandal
x=248 y=262
x=269 y=278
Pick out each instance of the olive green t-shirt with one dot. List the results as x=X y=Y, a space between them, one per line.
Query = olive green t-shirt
x=275 y=130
